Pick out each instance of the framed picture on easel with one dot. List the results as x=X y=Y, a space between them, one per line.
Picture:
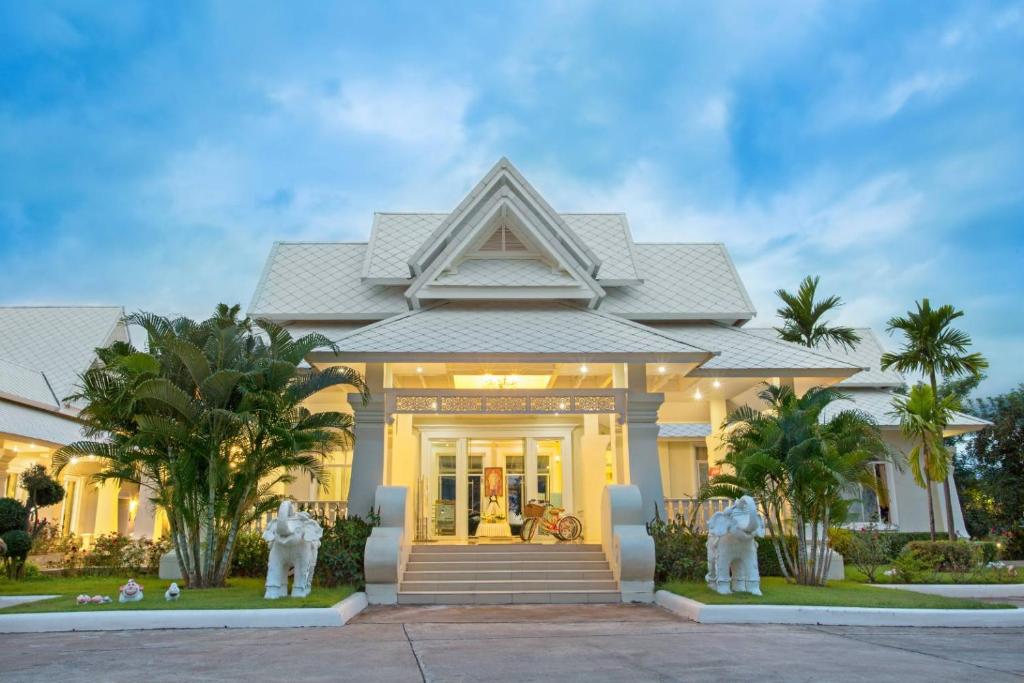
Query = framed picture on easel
x=494 y=478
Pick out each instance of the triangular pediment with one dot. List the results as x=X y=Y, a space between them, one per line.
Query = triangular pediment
x=504 y=229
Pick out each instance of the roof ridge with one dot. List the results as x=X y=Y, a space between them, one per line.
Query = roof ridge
x=53 y=306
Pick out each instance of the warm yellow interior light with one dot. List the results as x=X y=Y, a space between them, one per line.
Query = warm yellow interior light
x=489 y=381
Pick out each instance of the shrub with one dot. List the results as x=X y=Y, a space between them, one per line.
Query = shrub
x=13 y=515
x=340 y=560
x=18 y=543
x=867 y=550
x=989 y=551
x=679 y=552
x=909 y=568
x=114 y=554
x=767 y=559
x=946 y=556
x=251 y=554
x=47 y=539
x=43 y=491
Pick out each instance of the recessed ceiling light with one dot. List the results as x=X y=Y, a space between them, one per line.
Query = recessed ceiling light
x=584 y=369
x=716 y=384
x=661 y=369
x=419 y=371
x=697 y=395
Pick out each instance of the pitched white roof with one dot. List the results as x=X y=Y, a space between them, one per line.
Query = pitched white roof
x=26 y=385
x=868 y=354
x=58 y=342
x=878 y=404
x=742 y=352
x=395 y=237
x=38 y=425
x=682 y=281
x=321 y=280
x=516 y=331
x=684 y=430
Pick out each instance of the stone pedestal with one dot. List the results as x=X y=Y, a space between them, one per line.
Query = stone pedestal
x=169 y=568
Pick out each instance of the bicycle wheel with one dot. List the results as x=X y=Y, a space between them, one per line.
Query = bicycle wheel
x=528 y=530
x=569 y=528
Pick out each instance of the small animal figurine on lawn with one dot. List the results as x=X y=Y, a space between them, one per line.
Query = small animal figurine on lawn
x=172 y=592
x=130 y=592
x=83 y=599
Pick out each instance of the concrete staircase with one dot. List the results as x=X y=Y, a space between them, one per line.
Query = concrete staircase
x=503 y=574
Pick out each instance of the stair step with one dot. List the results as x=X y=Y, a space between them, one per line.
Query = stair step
x=575 y=565
x=508 y=574
x=507 y=597
x=508 y=548
x=505 y=557
x=513 y=585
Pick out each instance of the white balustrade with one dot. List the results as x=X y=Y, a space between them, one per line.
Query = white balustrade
x=325 y=510
x=687 y=509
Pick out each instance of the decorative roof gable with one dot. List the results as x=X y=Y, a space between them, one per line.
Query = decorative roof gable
x=504 y=219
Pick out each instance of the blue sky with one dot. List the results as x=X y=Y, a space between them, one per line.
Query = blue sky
x=150 y=153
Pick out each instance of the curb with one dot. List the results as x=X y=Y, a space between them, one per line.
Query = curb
x=961 y=590
x=837 y=616
x=295 y=617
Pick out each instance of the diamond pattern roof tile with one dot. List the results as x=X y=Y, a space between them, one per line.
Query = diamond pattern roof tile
x=38 y=425
x=682 y=281
x=58 y=342
x=868 y=354
x=740 y=350
x=322 y=279
x=878 y=405
x=513 y=329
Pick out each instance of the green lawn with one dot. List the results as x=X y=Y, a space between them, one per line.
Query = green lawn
x=240 y=593
x=986 y=577
x=836 y=594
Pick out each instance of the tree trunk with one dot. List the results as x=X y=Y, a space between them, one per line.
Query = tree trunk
x=947 y=494
x=928 y=490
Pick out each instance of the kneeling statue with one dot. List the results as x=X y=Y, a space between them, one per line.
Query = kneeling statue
x=294 y=539
x=732 y=548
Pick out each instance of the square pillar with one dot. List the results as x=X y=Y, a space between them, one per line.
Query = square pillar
x=642 y=441
x=368 y=454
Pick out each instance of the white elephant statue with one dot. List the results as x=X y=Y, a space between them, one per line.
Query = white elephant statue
x=294 y=539
x=732 y=548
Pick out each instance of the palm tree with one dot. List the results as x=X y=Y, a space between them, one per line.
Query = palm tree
x=923 y=420
x=796 y=459
x=209 y=420
x=802 y=318
x=932 y=347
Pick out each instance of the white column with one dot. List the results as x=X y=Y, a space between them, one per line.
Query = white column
x=591 y=461
x=106 y=508
x=368 y=455
x=716 y=448
x=642 y=441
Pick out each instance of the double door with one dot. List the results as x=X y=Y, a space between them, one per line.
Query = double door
x=474 y=480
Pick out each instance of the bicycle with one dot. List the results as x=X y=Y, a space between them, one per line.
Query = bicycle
x=548 y=519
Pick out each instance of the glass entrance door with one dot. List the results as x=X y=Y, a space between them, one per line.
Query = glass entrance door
x=488 y=481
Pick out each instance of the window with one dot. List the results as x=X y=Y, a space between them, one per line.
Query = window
x=868 y=506
x=701 y=455
x=446 y=477
x=543 y=477
x=515 y=478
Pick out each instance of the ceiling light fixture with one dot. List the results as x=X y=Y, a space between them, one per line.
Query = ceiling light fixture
x=584 y=369
x=697 y=395
x=716 y=384
x=419 y=371
x=661 y=369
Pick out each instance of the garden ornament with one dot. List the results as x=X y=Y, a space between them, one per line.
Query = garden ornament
x=732 y=548
x=130 y=592
x=172 y=592
x=294 y=538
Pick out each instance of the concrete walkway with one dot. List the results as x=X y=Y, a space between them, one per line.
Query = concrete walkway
x=520 y=643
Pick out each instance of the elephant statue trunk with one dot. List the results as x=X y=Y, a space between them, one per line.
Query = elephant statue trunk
x=294 y=539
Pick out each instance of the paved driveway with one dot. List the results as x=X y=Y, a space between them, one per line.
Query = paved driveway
x=520 y=643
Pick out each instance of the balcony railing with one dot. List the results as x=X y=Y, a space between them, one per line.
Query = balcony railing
x=690 y=508
x=328 y=510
